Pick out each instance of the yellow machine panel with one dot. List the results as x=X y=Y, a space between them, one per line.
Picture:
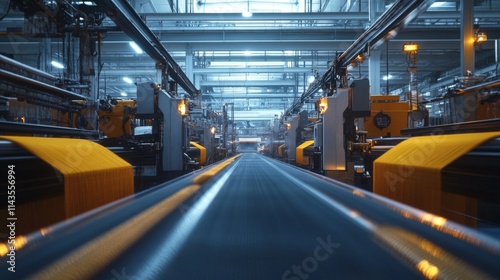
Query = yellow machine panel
x=117 y=123
x=388 y=116
x=203 y=152
x=299 y=154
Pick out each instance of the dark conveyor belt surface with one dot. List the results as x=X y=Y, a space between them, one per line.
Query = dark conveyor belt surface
x=258 y=222
x=262 y=219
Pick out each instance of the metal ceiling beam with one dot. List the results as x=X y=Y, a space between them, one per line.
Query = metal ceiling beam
x=222 y=17
x=383 y=29
x=213 y=70
x=123 y=14
x=277 y=83
x=273 y=17
x=298 y=35
x=17 y=18
x=216 y=84
x=119 y=47
x=151 y=72
x=318 y=45
x=248 y=118
x=395 y=82
x=252 y=95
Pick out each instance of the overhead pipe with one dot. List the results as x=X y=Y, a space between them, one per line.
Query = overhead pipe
x=36 y=85
x=32 y=129
x=480 y=87
x=123 y=14
x=8 y=61
x=387 y=26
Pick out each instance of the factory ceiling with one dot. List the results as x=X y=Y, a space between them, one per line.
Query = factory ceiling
x=263 y=61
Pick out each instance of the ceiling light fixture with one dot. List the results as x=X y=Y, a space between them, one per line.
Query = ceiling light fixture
x=247 y=13
x=123 y=94
x=136 y=48
x=57 y=64
x=127 y=80
x=437 y=4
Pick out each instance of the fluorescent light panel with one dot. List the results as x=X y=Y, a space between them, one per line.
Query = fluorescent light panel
x=136 y=48
x=247 y=14
x=244 y=64
x=57 y=64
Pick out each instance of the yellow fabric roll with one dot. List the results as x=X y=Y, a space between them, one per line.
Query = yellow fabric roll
x=93 y=175
x=299 y=152
x=203 y=152
x=411 y=171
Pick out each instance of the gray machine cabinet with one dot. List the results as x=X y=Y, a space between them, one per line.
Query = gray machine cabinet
x=172 y=132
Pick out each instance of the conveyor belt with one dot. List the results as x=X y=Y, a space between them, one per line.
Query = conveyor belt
x=256 y=219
